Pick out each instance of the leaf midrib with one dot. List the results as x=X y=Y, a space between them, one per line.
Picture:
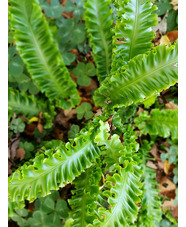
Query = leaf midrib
x=103 y=39
x=42 y=55
x=32 y=179
x=134 y=31
x=120 y=199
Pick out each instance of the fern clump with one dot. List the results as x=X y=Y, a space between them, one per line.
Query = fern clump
x=94 y=150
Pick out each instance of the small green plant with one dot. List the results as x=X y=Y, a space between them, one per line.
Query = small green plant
x=83 y=71
x=73 y=131
x=85 y=110
x=18 y=125
x=49 y=211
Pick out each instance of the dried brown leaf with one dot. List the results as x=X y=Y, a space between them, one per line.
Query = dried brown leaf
x=151 y=165
x=171 y=105
x=20 y=153
x=166 y=185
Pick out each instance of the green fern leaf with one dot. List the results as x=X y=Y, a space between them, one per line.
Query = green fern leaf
x=129 y=137
x=55 y=168
x=40 y=53
x=150 y=212
x=133 y=32
x=160 y=122
x=22 y=103
x=112 y=148
x=12 y=206
x=98 y=20
x=144 y=75
x=123 y=197
x=84 y=196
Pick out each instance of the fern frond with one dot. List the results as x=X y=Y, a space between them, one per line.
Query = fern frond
x=112 y=148
x=98 y=21
x=122 y=197
x=54 y=168
x=150 y=212
x=21 y=103
x=160 y=122
x=12 y=206
x=83 y=201
x=144 y=75
x=133 y=32
x=40 y=53
x=129 y=137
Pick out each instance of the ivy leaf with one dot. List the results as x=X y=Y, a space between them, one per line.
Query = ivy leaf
x=62 y=209
x=73 y=131
x=16 y=66
x=68 y=58
x=84 y=111
x=17 y=125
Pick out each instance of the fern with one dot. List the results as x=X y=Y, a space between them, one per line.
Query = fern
x=24 y=104
x=160 y=122
x=98 y=20
x=112 y=148
x=104 y=163
x=41 y=54
x=54 y=169
x=84 y=196
x=123 y=197
x=133 y=32
x=144 y=75
x=150 y=212
x=13 y=206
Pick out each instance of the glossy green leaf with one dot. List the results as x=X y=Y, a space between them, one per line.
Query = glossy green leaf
x=143 y=76
x=42 y=56
x=55 y=168
x=150 y=212
x=122 y=197
x=23 y=104
x=84 y=197
x=160 y=122
x=133 y=32
x=98 y=20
